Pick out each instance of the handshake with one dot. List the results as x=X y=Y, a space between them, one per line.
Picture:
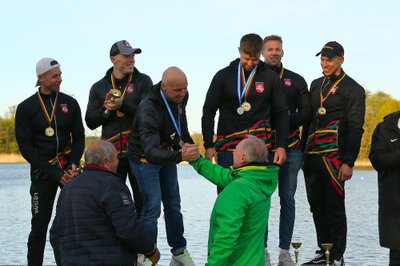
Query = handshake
x=190 y=152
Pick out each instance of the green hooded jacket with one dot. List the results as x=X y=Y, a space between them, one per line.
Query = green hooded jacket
x=240 y=214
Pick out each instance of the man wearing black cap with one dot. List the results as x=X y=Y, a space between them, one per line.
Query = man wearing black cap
x=113 y=102
x=51 y=137
x=334 y=137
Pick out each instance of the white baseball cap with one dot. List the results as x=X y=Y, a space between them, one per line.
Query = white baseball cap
x=44 y=65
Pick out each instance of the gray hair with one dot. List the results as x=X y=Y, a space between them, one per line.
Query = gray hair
x=255 y=150
x=99 y=150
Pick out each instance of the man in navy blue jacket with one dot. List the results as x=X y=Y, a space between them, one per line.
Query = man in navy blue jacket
x=96 y=221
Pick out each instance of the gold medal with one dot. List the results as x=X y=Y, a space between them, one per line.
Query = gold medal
x=49 y=131
x=246 y=106
x=120 y=114
x=240 y=110
x=321 y=110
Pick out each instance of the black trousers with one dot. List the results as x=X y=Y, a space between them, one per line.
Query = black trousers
x=394 y=257
x=123 y=170
x=326 y=204
x=43 y=193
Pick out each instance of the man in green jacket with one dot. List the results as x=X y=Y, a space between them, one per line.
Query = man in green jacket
x=240 y=214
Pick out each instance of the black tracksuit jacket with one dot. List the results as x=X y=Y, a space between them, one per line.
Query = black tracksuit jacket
x=269 y=102
x=35 y=146
x=347 y=105
x=140 y=85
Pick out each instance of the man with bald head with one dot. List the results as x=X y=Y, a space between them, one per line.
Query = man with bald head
x=159 y=133
x=96 y=221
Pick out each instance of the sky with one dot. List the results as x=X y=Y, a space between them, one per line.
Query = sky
x=200 y=37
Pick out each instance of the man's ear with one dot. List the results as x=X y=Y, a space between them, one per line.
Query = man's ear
x=243 y=158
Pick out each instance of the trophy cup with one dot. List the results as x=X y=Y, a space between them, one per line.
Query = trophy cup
x=115 y=93
x=296 y=246
x=327 y=247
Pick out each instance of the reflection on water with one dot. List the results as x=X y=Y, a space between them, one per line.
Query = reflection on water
x=198 y=196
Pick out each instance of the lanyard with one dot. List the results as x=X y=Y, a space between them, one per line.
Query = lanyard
x=246 y=85
x=321 y=98
x=126 y=86
x=48 y=117
x=177 y=124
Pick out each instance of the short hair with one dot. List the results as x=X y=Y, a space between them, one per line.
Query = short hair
x=273 y=38
x=255 y=150
x=99 y=150
x=251 y=44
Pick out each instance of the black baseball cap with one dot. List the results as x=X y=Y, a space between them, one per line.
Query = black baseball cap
x=331 y=49
x=123 y=47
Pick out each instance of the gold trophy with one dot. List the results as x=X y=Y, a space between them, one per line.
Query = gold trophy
x=327 y=247
x=115 y=94
x=296 y=246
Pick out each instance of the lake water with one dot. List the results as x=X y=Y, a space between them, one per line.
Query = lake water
x=198 y=196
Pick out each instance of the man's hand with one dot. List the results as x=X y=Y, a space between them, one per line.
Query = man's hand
x=210 y=154
x=345 y=172
x=280 y=156
x=155 y=257
x=190 y=152
x=69 y=174
x=112 y=103
x=65 y=179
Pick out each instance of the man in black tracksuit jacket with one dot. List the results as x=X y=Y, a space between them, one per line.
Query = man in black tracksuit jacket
x=334 y=138
x=250 y=100
x=116 y=116
x=159 y=133
x=385 y=157
x=96 y=222
x=298 y=99
x=50 y=136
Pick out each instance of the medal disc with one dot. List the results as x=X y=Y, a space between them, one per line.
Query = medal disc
x=246 y=106
x=181 y=143
x=120 y=114
x=49 y=131
x=321 y=110
x=240 y=110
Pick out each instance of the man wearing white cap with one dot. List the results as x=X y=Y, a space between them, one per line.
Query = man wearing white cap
x=113 y=101
x=50 y=136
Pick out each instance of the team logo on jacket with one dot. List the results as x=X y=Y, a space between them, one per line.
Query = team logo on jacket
x=64 y=107
x=260 y=87
x=130 y=88
x=287 y=82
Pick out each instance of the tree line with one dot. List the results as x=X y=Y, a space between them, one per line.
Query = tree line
x=378 y=105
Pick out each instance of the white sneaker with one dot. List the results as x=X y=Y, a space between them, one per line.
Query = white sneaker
x=143 y=261
x=183 y=259
x=339 y=262
x=267 y=258
x=285 y=259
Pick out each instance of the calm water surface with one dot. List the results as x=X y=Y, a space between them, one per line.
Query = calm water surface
x=198 y=196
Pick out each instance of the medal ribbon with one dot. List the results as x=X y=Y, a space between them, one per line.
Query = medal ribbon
x=126 y=86
x=281 y=73
x=241 y=82
x=46 y=114
x=177 y=124
x=322 y=99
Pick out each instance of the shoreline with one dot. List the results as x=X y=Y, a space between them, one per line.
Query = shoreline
x=17 y=158
x=12 y=158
